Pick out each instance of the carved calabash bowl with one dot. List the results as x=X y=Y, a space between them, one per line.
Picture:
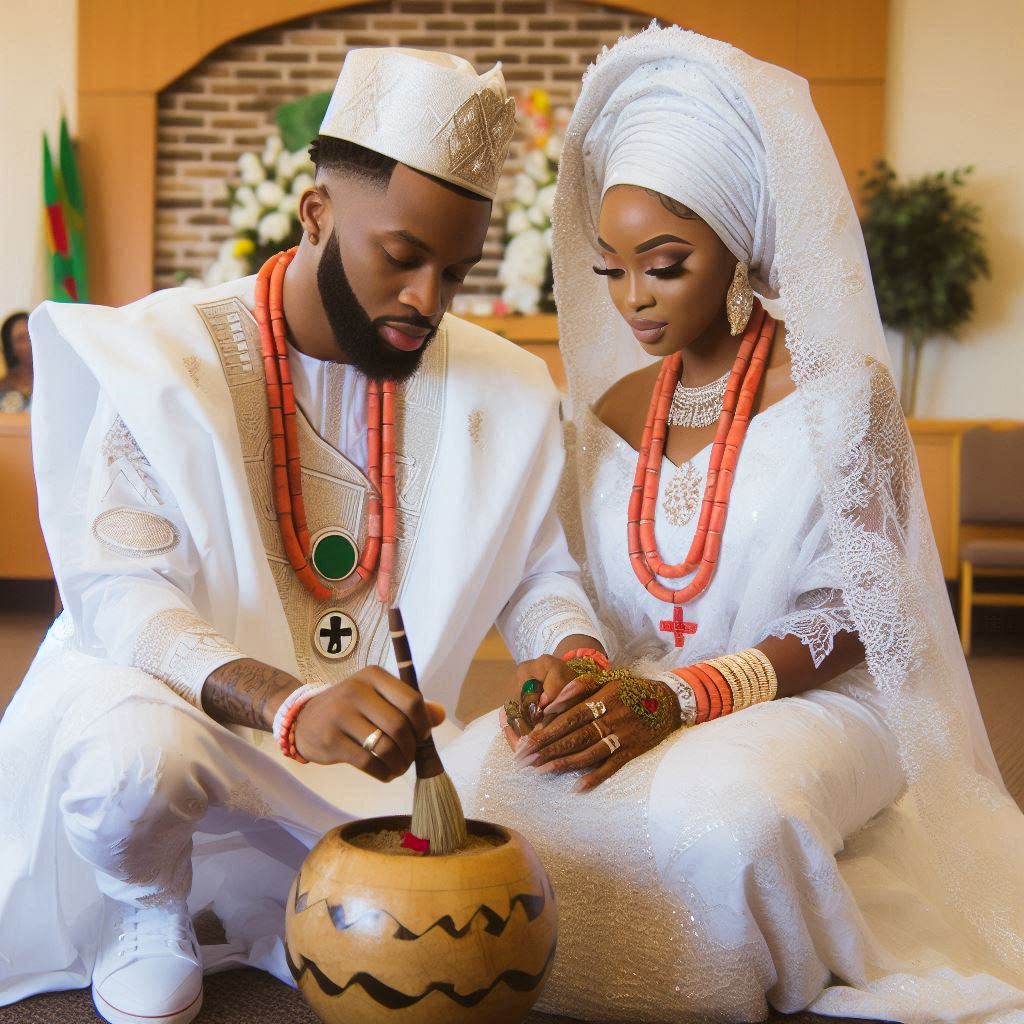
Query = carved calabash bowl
x=374 y=937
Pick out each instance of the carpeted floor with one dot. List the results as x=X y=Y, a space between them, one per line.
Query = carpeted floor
x=250 y=997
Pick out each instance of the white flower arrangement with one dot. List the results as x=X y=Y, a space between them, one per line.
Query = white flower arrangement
x=263 y=211
x=525 y=271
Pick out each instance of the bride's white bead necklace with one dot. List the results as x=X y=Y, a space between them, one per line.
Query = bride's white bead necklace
x=698 y=407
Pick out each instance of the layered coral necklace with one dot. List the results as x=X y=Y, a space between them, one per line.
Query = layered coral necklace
x=333 y=553
x=744 y=381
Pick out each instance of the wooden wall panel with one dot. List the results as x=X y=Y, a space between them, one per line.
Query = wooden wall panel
x=128 y=51
x=22 y=550
x=853 y=114
x=841 y=40
x=117 y=153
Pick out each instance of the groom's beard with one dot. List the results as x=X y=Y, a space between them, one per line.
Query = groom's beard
x=358 y=336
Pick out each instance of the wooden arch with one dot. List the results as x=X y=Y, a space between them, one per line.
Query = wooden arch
x=129 y=52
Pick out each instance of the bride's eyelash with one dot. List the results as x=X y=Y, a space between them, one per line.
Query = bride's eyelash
x=673 y=270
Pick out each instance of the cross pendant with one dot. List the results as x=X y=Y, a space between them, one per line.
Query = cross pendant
x=677 y=626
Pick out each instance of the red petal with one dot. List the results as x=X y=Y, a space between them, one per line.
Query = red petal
x=411 y=842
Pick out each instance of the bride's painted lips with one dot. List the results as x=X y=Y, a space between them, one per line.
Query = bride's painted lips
x=406 y=338
x=647 y=332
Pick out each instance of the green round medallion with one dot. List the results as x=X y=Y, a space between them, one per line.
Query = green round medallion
x=335 y=555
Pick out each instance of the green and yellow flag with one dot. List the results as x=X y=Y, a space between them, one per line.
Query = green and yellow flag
x=65 y=221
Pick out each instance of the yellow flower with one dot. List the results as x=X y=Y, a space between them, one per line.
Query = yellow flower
x=243 y=247
x=540 y=101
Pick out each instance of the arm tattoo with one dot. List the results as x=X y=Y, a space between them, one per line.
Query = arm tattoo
x=241 y=692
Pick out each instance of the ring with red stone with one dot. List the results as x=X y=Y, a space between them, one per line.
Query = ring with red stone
x=645 y=700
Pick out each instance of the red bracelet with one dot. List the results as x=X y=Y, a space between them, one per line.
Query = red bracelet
x=287 y=716
x=287 y=736
x=589 y=652
x=700 y=691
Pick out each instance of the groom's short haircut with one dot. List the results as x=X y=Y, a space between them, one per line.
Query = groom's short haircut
x=344 y=157
x=331 y=154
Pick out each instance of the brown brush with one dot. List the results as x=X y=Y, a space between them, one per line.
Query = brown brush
x=437 y=813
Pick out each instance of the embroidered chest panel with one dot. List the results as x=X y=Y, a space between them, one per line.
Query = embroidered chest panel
x=335 y=490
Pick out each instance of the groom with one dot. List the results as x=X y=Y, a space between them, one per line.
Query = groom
x=234 y=484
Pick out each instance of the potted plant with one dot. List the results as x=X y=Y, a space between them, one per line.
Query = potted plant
x=926 y=253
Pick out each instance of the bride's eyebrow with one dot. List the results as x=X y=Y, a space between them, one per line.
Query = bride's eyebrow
x=653 y=243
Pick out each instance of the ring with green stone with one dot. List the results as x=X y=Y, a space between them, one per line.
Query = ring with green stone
x=532 y=686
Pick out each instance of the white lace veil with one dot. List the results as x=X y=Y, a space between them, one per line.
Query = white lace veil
x=973 y=833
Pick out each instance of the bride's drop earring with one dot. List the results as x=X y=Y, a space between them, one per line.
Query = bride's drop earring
x=739 y=299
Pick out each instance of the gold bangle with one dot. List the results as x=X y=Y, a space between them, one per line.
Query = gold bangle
x=773 y=679
x=756 y=673
x=736 y=679
x=768 y=680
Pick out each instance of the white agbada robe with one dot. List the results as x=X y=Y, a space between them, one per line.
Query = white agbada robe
x=152 y=453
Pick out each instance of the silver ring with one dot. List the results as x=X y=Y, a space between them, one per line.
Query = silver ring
x=372 y=740
x=597 y=708
x=611 y=741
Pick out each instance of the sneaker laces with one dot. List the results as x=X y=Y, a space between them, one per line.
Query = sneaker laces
x=145 y=931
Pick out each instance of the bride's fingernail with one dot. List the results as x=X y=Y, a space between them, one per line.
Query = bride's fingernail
x=525 y=762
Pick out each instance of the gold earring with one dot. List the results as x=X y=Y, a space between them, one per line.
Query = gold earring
x=739 y=299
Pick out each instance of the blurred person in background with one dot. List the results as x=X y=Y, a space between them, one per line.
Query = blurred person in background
x=16 y=384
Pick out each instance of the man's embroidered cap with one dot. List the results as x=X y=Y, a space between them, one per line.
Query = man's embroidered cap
x=429 y=110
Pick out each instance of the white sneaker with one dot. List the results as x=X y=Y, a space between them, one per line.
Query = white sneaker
x=147 y=966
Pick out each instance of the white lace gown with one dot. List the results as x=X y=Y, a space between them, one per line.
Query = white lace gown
x=738 y=862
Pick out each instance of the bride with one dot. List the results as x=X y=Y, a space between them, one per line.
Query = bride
x=782 y=792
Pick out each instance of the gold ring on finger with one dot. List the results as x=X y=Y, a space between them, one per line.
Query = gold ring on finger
x=371 y=741
x=600 y=731
x=611 y=741
x=597 y=708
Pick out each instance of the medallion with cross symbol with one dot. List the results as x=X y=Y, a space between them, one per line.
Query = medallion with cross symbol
x=335 y=635
x=678 y=626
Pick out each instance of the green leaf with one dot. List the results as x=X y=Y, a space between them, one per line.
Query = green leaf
x=923 y=247
x=299 y=122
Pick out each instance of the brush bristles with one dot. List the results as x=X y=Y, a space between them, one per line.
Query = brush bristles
x=437 y=814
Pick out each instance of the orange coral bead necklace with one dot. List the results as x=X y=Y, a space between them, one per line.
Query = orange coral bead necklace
x=379 y=550
x=702 y=558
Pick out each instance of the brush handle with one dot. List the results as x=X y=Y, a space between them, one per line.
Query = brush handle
x=428 y=760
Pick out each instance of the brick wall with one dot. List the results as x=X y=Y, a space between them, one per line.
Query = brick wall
x=225 y=105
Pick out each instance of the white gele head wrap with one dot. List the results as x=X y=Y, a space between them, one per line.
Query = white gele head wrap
x=681 y=128
x=428 y=110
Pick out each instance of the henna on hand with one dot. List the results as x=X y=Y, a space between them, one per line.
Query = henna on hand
x=607 y=731
x=246 y=692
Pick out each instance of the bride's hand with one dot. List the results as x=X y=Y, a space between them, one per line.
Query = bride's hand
x=538 y=683
x=625 y=718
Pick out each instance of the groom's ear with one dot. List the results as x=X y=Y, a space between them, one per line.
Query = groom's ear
x=315 y=213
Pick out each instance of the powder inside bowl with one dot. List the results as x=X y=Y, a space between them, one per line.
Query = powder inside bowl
x=390 y=841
